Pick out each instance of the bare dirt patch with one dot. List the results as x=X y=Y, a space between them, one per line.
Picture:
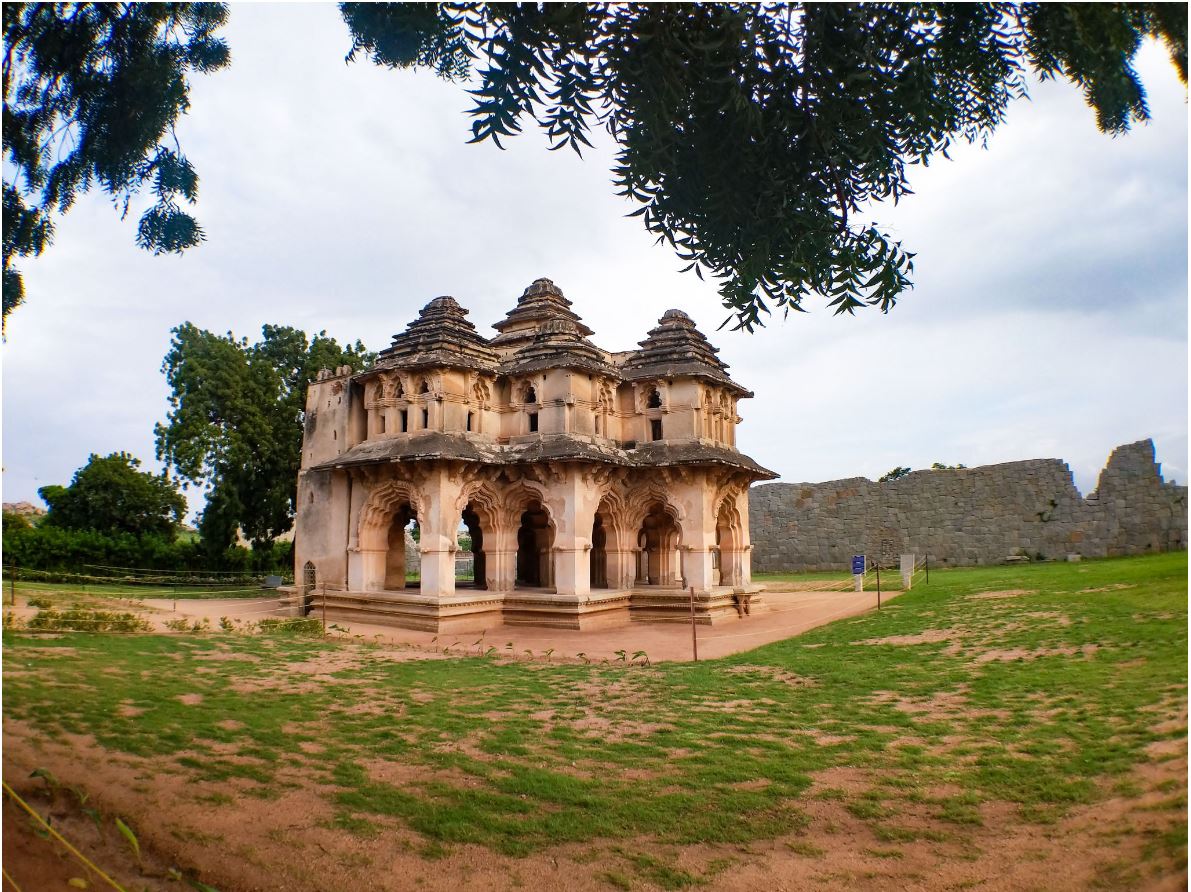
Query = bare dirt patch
x=774 y=673
x=1014 y=654
x=930 y=636
x=1120 y=586
x=190 y=699
x=1002 y=594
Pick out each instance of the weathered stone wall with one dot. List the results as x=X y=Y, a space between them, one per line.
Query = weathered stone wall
x=970 y=516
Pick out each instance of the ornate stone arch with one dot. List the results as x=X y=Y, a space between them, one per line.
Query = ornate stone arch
x=377 y=514
x=643 y=496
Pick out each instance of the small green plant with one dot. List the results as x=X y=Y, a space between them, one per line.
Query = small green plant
x=642 y=656
x=226 y=624
x=621 y=656
x=547 y=654
x=40 y=602
x=45 y=776
x=178 y=624
x=133 y=842
x=581 y=655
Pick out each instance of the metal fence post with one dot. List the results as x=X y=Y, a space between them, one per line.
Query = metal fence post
x=694 y=634
x=928 y=569
x=878 y=566
x=324 y=610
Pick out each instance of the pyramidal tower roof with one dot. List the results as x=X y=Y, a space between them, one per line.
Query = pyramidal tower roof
x=676 y=347
x=441 y=335
x=541 y=302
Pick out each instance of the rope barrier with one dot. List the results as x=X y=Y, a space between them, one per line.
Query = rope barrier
x=178 y=572
x=11 y=881
x=158 y=579
x=164 y=593
x=58 y=836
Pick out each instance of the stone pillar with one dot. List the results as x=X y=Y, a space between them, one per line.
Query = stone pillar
x=698 y=533
x=371 y=569
x=438 y=520
x=572 y=504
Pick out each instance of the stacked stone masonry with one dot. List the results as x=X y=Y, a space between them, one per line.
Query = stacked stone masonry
x=971 y=516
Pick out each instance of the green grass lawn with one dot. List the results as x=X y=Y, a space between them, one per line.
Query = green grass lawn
x=947 y=699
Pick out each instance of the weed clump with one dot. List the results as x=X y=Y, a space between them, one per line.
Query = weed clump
x=279 y=626
x=79 y=619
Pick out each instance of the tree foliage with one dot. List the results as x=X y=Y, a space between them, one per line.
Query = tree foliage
x=235 y=424
x=110 y=495
x=896 y=474
x=91 y=95
x=753 y=137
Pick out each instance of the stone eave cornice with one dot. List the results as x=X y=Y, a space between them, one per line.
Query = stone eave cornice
x=549 y=448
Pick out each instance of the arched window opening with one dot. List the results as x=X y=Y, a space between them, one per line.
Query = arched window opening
x=309 y=578
x=655 y=399
x=599 y=554
x=470 y=565
x=403 y=560
x=658 y=540
x=425 y=388
x=535 y=543
x=531 y=395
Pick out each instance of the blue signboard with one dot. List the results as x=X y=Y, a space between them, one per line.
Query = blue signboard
x=857 y=565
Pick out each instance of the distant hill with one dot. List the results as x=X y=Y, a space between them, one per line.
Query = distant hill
x=25 y=509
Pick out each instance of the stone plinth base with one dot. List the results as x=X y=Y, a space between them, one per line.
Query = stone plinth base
x=472 y=610
x=598 y=610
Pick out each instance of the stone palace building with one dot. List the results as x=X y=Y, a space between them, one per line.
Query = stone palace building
x=595 y=487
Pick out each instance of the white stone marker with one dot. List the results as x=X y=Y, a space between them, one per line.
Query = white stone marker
x=907 y=571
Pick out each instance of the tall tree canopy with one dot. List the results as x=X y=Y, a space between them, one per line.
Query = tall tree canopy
x=235 y=424
x=111 y=495
x=91 y=95
x=752 y=135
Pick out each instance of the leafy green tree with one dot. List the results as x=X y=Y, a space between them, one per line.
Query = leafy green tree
x=235 y=423
x=110 y=495
x=939 y=466
x=91 y=95
x=896 y=474
x=753 y=136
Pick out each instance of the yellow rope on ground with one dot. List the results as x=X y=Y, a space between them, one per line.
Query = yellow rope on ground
x=58 y=836
x=11 y=881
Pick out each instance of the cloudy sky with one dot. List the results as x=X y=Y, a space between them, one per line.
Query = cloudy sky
x=1049 y=317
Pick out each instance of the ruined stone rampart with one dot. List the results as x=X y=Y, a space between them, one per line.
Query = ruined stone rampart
x=971 y=516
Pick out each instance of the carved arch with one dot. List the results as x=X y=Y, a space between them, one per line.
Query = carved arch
x=377 y=514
